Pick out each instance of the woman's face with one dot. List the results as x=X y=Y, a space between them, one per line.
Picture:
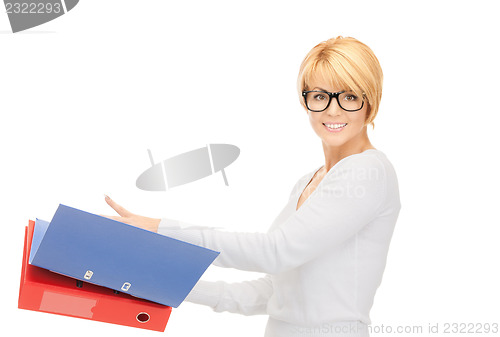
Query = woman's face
x=350 y=134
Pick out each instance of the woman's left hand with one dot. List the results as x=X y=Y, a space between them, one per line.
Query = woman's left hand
x=130 y=218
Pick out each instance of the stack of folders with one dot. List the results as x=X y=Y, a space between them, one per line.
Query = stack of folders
x=87 y=266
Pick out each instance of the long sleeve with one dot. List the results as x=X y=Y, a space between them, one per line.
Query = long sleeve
x=245 y=298
x=347 y=198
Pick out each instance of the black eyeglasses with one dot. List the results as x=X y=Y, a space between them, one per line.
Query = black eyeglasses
x=319 y=100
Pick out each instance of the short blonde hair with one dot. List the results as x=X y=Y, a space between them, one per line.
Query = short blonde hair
x=347 y=64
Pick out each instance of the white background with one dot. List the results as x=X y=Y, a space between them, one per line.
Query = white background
x=83 y=97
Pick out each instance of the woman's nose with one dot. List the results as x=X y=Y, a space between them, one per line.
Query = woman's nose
x=334 y=109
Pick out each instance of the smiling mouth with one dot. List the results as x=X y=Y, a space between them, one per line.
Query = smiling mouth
x=335 y=126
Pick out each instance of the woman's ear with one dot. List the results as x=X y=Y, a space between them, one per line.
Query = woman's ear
x=366 y=123
x=368 y=112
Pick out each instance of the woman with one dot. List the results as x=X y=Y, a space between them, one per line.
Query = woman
x=325 y=253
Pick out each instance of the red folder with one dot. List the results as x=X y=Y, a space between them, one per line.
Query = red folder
x=46 y=291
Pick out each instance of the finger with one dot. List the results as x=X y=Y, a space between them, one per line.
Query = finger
x=118 y=209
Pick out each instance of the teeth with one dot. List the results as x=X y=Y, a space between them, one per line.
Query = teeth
x=335 y=126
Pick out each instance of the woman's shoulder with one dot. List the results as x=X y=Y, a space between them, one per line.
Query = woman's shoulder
x=373 y=159
x=369 y=168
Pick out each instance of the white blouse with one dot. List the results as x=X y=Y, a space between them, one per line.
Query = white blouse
x=323 y=262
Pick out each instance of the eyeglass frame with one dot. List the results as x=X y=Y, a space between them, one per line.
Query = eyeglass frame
x=330 y=95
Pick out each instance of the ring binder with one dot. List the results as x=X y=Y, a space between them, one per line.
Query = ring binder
x=46 y=291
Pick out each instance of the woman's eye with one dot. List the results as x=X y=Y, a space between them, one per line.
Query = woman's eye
x=350 y=97
x=319 y=97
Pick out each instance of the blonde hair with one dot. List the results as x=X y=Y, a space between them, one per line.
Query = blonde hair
x=347 y=64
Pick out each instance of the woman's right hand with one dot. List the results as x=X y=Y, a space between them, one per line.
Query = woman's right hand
x=150 y=224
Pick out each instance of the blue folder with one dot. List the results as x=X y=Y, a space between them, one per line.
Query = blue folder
x=109 y=253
